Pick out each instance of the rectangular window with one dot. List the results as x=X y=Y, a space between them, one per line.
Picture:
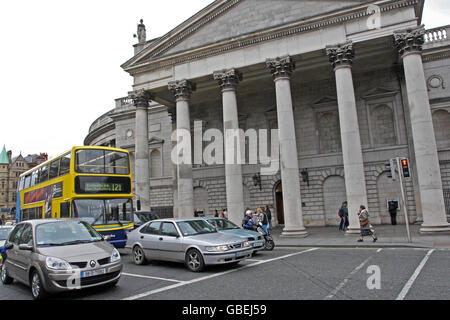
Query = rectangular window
x=35 y=178
x=54 y=166
x=21 y=183
x=101 y=162
x=64 y=167
x=44 y=174
x=27 y=181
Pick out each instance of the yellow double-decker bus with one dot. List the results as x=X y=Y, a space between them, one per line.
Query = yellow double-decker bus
x=90 y=183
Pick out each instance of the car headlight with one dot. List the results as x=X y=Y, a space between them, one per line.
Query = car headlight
x=115 y=256
x=217 y=248
x=246 y=244
x=57 y=264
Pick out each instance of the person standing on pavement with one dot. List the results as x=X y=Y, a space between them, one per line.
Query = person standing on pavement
x=393 y=207
x=364 y=223
x=269 y=217
x=343 y=214
x=262 y=217
x=224 y=214
x=216 y=213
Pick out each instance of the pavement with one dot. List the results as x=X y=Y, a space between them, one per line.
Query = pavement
x=388 y=237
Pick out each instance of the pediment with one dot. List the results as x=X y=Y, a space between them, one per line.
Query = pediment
x=378 y=93
x=230 y=19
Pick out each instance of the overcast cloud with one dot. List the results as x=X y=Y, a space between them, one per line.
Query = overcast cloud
x=60 y=63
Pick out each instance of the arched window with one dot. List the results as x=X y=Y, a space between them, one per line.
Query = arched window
x=155 y=164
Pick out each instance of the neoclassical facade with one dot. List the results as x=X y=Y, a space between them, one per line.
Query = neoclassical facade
x=347 y=84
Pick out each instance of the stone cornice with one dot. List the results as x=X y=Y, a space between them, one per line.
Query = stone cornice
x=182 y=89
x=410 y=40
x=228 y=79
x=308 y=25
x=341 y=54
x=281 y=67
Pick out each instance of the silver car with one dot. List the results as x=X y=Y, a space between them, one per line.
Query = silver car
x=59 y=255
x=192 y=241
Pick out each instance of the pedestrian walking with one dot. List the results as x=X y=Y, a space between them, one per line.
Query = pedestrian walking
x=393 y=207
x=195 y=213
x=224 y=214
x=216 y=213
x=269 y=217
x=364 y=223
x=262 y=217
x=343 y=214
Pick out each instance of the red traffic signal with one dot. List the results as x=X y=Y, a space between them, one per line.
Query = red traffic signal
x=405 y=168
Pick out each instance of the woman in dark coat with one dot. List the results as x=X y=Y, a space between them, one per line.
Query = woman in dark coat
x=364 y=222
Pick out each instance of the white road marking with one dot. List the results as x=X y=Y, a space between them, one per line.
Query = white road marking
x=413 y=278
x=344 y=282
x=150 y=277
x=148 y=293
x=379 y=250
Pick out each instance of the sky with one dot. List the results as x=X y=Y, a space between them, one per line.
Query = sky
x=60 y=63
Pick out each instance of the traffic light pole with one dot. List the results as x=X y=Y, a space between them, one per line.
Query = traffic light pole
x=400 y=174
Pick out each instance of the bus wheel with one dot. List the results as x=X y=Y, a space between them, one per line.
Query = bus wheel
x=138 y=255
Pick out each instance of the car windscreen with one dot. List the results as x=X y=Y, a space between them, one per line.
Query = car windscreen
x=65 y=233
x=4 y=232
x=195 y=227
x=223 y=224
x=103 y=211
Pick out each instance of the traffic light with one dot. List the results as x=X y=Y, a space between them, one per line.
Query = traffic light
x=390 y=167
x=405 y=167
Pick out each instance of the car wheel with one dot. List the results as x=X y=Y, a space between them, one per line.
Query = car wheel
x=138 y=255
x=6 y=279
x=37 y=290
x=194 y=260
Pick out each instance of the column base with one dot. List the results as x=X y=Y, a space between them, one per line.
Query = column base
x=351 y=231
x=299 y=232
x=435 y=229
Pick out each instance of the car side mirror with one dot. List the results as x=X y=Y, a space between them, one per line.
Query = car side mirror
x=25 y=247
x=107 y=238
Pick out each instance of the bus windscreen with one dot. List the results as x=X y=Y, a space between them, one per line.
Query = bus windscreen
x=94 y=161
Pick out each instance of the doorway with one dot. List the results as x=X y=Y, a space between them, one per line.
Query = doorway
x=279 y=203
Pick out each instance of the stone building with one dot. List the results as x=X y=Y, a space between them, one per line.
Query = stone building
x=348 y=84
x=10 y=170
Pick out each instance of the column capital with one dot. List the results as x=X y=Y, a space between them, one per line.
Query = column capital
x=141 y=98
x=281 y=67
x=228 y=78
x=409 y=40
x=341 y=54
x=182 y=89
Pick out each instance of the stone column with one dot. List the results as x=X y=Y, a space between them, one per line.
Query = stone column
x=341 y=58
x=228 y=81
x=409 y=44
x=281 y=69
x=182 y=91
x=141 y=99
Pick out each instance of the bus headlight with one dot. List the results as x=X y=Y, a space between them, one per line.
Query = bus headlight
x=57 y=264
x=115 y=256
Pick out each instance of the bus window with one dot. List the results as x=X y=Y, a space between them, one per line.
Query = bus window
x=90 y=161
x=35 y=178
x=64 y=210
x=116 y=163
x=21 y=183
x=54 y=166
x=44 y=174
x=64 y=166
x=27 y=181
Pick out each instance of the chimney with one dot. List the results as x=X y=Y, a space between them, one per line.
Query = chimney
x=9 y=155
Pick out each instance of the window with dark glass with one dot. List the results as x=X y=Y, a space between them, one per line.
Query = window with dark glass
x=27 y=235
x=35 y=178
x=168 y=229
x=27 y=181
x=54 y=166
x=43 y=176
x=64 y=166
x=152 y=228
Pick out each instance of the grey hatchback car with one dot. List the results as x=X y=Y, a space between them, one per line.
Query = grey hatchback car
x=59 y=255
x=192 y=241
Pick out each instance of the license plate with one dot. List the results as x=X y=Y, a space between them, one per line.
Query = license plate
x=237 y=255
x=93 y=273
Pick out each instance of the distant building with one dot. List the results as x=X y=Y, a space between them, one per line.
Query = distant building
x=10 y=170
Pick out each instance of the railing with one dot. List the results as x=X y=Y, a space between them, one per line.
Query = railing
x=437 y=34
x=125 y=101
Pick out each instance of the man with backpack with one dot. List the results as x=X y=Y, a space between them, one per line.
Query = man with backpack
x=343 y=214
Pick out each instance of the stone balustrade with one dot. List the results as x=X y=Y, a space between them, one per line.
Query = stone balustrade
x=437 y=34
x=122 y=102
